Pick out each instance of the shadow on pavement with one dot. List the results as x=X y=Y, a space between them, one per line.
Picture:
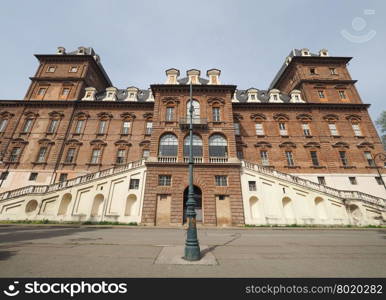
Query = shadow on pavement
x=21 y=233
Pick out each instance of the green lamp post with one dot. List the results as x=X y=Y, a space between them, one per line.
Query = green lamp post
x=192 y=246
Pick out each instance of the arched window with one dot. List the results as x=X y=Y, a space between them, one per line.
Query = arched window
x=197 y=146
x=168 y=145
x=196 y=111
x=218 y=146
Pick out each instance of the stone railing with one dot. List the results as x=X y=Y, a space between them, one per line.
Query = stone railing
x=346 y=195
x=218 y=160
x=167 y=159
x=196 y=160
x=42 y=189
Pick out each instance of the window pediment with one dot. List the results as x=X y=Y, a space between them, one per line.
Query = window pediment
x=215 y=100
x=366 y=145
x=263 y=145
x=258 y=117
x=45 y=142
x=104 y=115
x=128 y=116
x=281 y=117
x=331 y=117
x=74 y=142
x=6 y=115
x=82 y=115
x=312 y=145
x=353 y=118
x=98 y=143
x=304 y=117
x=341 y=145
x=287 y=145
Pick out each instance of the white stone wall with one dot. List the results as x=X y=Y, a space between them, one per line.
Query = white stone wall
x=366 y=183
x=279 y=202
x=102 y=199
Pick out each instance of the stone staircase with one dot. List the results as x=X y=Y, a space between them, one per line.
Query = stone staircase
x=304 y=183
x=45 y=189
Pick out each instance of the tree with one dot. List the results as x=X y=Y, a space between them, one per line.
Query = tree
x=381 y=123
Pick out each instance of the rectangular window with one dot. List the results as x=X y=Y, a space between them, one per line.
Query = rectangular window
x=146 y=153
x=65 y=91
x=27 y=125
x=252 y=185
x=73 y=69
x=253 y=97
x=264 y=158
x=33 y=176
x=42 y=154
x=42 y=91
x=70 y=155
x=379 y=180
x=134 y=184
x=356 y=129
x=63 y=177
x=237 y=128
x=126 y=127
x=52 y=127
x=216 y=114
x=240 y=154
x=3 y=125
x=121 y=156
x=343 y=158
x=51 y=69
x=314 y=158
x=95 y=156
x=149 y=128
x=369 y=159
x=289 y=157
x=312 y=71
x=306 y=129
x=333 y=71
x=15 y=153
x=321 y=94
x=79 y=126
x=259 y=129
x=169 y=113
x=282 y=129
x=165 y=180
x=333 y=129
x=342 y=95
x=102 y=126
x=322 y=180
x=353 y=180
x=221 y=180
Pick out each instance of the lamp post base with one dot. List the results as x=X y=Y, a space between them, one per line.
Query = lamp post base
x=192 y=253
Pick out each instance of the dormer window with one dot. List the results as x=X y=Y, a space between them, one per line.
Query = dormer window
x=253 y=97
x=213 y=75
x=275 y=97
x=296 y=96
x=51 y=69
x=193 y=76
x=305 y=52
x=73 y=69
x=89 y=93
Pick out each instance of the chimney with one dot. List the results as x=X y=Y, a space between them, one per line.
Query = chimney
x=172 y=76
x=193 y=76
x=213 y=75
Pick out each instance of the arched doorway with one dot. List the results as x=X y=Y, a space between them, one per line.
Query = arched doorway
x=198 y=198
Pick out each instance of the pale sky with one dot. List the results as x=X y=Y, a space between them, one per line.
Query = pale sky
x=248 y=40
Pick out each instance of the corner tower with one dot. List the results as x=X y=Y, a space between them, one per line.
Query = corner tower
x=64 y=76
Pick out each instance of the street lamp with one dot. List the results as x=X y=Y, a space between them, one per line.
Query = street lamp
x=382 y=157
x=192 y=246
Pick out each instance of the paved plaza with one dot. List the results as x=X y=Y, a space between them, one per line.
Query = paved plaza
x=80 y=251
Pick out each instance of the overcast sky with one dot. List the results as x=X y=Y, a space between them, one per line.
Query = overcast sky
x=248 y=40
